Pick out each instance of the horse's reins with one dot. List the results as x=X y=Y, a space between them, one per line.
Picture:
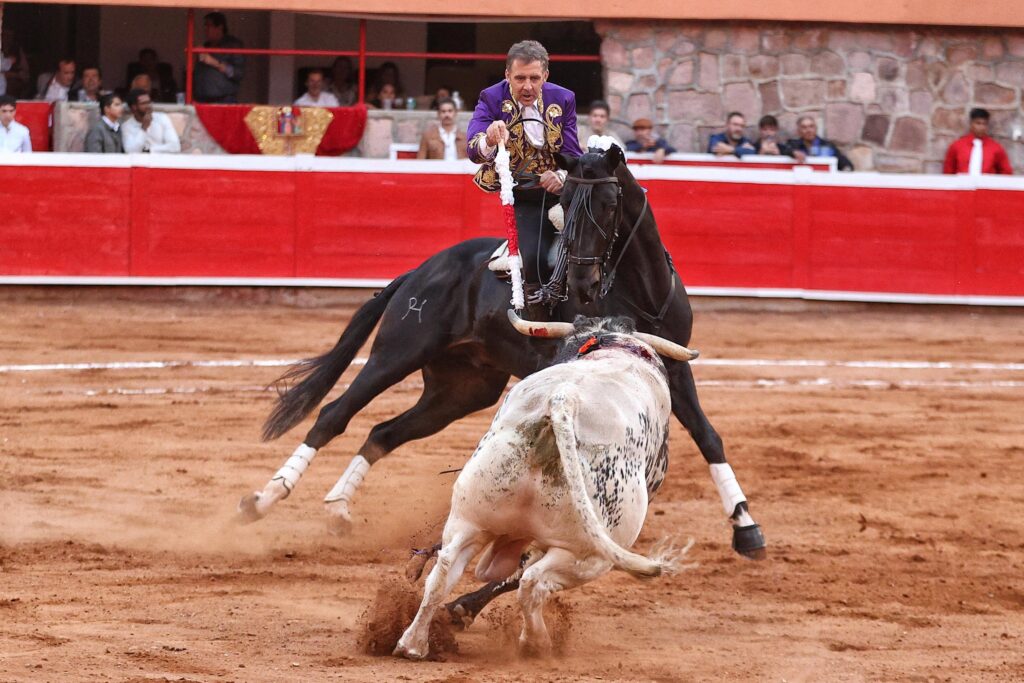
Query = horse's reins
x=608 y=274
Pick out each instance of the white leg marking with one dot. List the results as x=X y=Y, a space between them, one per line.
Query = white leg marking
x=728 y=487
x=338 y=498
x=282 y=483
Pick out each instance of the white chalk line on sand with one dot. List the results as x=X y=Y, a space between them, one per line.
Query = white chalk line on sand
x=714 y=362
x=811 y=383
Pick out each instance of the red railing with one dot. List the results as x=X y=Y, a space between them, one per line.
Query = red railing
x=362 y=54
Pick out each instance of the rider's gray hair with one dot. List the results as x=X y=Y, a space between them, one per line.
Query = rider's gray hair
x=527 y=51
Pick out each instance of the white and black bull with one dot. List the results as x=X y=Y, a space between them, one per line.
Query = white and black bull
x=569 y=465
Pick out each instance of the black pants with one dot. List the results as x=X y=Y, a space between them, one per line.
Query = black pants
x=536 y=233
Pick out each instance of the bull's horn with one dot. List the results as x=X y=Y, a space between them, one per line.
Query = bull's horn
x=667 y=348
x=540 y=329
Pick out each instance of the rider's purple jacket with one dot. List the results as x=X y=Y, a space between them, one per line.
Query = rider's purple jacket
x=557 y=106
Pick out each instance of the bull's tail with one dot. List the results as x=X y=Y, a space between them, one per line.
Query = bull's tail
x=562 y=408
x=319 y=375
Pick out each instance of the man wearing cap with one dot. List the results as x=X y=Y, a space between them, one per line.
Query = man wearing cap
x=647 y=141
x=535 y=120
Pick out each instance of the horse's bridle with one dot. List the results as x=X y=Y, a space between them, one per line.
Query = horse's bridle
x=607 y=273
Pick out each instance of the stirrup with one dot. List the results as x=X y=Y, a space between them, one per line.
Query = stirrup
x=498 y=263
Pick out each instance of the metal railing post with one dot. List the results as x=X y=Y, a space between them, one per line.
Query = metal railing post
x=189 y=55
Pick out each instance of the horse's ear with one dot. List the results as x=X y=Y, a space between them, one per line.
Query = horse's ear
x=566 y=162
x=614 y=157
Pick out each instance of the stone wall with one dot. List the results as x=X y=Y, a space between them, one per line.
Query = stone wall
x=892 y=97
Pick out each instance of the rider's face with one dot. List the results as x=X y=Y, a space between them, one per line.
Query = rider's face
x=526 y=80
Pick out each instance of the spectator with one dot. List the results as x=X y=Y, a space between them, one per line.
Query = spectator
x=161 y=75
x=445 y=141
x=647 y=141
x=810 y=145
x=599 y=115
x=92 y=83
x=141 y=82
x=105 y=136
x=14 y=74
x=217 y=77
x=56 y=85
x=977 y=153
x=385 y=98
x=768 y=141
x=731 y=142
x=387 y=74
x=342 y=86
x=315 y=95
x=14 y=137
x=443 y=93
x=147 y=130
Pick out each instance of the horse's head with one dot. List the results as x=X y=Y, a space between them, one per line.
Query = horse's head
x=592 y=202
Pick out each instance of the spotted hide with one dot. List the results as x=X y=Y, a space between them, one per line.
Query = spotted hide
x=569 y=465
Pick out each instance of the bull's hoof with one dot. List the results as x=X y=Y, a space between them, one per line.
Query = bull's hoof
x=409 y=652
x=749 y=542
x=248 y=512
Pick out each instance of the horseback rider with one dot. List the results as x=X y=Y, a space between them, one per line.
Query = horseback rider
x=535 y=120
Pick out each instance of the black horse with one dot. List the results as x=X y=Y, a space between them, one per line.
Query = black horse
x=447 y=319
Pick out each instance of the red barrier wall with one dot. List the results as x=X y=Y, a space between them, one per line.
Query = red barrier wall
x=814 y=234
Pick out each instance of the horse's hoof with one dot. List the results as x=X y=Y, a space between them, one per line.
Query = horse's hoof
x=339 y=526
x=248 y=512
x=461 y=619
x=749 y=542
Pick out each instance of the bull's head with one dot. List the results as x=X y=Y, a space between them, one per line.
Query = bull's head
x=559 y=330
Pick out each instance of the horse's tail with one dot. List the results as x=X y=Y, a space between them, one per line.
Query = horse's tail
x=319 y=375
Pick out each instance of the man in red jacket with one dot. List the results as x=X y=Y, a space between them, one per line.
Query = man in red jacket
x=977 y=153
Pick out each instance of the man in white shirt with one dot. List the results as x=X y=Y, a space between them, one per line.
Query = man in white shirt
x=57 y=87
x=14 y=137
x=315 y=95
x=444 y=141
x=148 y=130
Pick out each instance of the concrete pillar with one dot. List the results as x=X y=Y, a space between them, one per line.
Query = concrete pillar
x=282 y=69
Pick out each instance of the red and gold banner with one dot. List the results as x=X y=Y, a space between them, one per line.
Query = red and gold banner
x=226 y=123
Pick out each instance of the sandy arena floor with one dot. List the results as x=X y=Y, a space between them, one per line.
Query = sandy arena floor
x=892 y=498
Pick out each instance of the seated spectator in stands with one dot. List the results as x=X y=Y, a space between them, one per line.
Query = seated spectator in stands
x=217 y=77
x=599 y=116
x=56 y=86
x=732 y=141
x=386 y=98
x=161 y=75
x=315 y=96
x=810 y=145
x=14 y=73
x=387 y=74
x=91 y=86
x=147 y=130
x=648 y=141
x=343 y=85
x=443 y=93
x=141 y=82
x=105 y=136
x=14 y=137
x=768 y=141
x=445 y=140
x=977 y=153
